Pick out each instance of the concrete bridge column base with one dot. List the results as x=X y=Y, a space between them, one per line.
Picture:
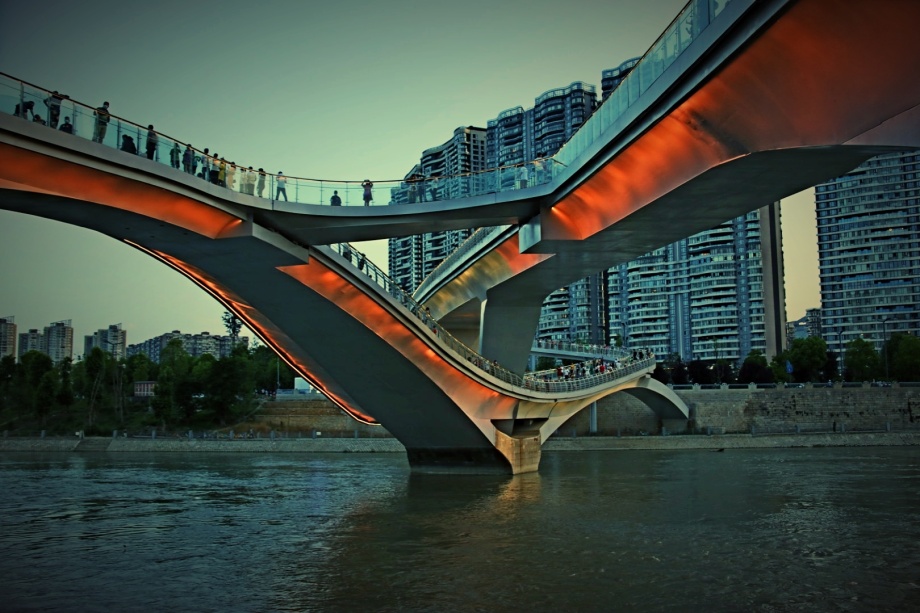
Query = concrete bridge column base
x=510 y=456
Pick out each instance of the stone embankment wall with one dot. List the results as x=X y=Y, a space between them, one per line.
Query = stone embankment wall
x=762 y=411
x=718 y=411
x=310 y=416
x=729 y=415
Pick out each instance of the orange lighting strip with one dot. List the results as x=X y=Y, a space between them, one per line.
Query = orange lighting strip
x=476 y=399
x=269 y=335
x=26 y=170
x=791 y=87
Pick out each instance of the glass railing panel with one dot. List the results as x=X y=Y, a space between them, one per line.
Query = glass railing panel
x=121 y=134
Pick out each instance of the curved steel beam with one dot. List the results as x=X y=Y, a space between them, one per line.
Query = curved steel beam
x=321 y=314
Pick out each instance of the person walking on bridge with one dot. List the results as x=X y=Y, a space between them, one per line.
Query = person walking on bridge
x=368 y=195
x=102 y=122
x=281 y=183
x=152 y=141
x=335 y=200
x=523 y=176
x=261 y=184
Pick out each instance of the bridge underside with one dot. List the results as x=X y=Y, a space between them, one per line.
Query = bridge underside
x=774 y=116
x=375 y=360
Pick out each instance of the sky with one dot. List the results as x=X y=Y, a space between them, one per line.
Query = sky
x=340 y=90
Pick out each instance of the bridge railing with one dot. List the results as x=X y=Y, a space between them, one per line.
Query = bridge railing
x=476 y=239
x=696 y=16
x=374 y=273
x=36 y=103
x=547 y=380
x=595 y=350
x=49 y=108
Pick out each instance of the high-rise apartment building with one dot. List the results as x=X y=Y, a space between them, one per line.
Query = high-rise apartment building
x=8 y=336
x=869 y=251
x=612 y=77
x=557 y=115
x=715 y=295
x=33 y=340
x=447 y=172
x=112 y=340
x=57 y=341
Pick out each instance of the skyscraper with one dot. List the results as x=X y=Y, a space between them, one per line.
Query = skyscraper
x=612 y=77
x=112 y=340
x=33 y=340
x=7 y=336
x=57 y=341
x=869 y=251
x=716 y=295
x=446 y=171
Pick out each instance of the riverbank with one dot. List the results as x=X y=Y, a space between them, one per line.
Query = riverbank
x=390 y=445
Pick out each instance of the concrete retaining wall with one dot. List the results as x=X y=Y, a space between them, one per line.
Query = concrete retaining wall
x=765 y=410
x=718 y=411
x=560 y=444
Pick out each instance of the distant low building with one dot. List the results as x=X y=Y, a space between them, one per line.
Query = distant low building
x=195 y=344
x=145 y=389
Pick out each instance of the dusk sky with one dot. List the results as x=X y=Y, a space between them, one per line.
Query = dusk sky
x=338 y=90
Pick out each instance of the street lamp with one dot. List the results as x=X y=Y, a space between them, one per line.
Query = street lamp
x=885 y=343
x=840 y=352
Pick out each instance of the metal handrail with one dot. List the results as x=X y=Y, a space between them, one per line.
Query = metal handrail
x=360 y=261
x=473 y=241
x=693 y=19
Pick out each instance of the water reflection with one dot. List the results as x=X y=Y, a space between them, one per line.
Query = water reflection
x=632 y=531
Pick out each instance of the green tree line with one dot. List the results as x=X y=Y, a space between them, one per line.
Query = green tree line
x=807 y=360
x=96 y=394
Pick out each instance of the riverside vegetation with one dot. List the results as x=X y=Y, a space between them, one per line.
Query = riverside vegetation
x=96 y=394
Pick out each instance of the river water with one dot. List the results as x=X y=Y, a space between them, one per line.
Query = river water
x=744 y=530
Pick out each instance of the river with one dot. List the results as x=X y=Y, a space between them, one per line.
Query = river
x=827 y=529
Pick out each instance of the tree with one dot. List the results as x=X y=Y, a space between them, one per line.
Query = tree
x=905 y=358
x=808 y=357
x=233 y=325
x=35 y=385
x=755 y=369
x=8 y=368
x=229 y=388
x=45 y=395
x=94 y=365
x=661 y=374
x=722 y=371
x=268 y=369
x=671 y=370
x=699 y=372
x=139 y=367
x=65 y=397
x=781 y=367
x=862 y=361
x=175 y=387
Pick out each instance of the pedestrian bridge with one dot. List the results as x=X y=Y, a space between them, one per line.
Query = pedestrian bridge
x=736 y=106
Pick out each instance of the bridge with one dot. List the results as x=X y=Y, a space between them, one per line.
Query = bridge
x=736 y=106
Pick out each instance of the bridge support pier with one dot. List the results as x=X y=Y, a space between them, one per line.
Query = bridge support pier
x=510 y=456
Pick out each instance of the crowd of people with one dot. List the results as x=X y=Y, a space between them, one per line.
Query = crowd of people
x=218 y=171
x=202 y=164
